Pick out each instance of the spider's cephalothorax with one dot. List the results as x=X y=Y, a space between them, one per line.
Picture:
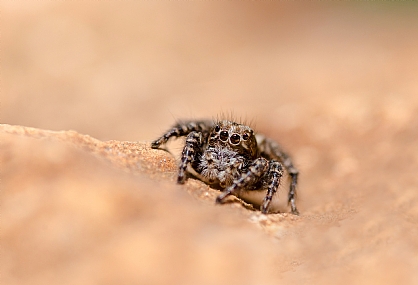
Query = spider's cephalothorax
x=229 y=155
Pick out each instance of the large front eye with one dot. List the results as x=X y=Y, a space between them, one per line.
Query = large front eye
x=223 y=136
x=235 y=138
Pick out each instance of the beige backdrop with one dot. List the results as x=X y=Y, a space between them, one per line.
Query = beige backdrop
x=335 y=83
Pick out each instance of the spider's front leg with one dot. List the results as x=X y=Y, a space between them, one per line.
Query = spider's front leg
x=194 y=143
x=274 y=176
x=272 y=150
x=182 y=129
x=255 y=171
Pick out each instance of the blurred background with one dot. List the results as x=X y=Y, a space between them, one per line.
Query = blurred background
x=334 y=82
x=127 y=70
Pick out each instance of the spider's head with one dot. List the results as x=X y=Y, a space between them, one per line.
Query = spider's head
x=236 y=136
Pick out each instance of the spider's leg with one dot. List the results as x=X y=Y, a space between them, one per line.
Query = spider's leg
x=272 y=150
x=193 y=145
x=292 y=191
x=293 y=172
x=182 y=129
x=256 y=170
x=274 y=175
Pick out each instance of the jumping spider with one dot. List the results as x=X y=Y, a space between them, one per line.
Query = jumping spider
x=229 y=155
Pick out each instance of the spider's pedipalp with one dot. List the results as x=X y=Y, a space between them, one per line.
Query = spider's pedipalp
x=255 y=171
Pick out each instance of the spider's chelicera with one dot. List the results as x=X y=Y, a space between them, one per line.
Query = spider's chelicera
x=230 y=156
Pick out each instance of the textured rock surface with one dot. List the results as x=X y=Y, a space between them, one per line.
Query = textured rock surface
x=76 y=210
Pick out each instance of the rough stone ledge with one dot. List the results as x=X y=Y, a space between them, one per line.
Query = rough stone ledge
x=76 y=210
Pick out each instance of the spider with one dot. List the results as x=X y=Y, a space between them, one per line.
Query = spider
x=231 y=157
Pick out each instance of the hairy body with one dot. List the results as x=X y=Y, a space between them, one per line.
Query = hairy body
x=230 y=156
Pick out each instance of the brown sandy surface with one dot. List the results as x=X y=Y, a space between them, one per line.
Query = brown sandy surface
x=336 y=84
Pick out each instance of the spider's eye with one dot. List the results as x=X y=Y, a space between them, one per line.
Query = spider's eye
x=245 y=136
x=223 y=136
x=235 y=138
x=217 y=128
